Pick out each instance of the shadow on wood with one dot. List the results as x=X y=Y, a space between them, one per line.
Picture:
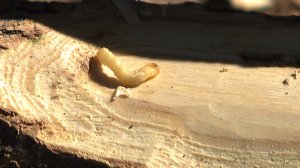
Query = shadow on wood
x=176 y=32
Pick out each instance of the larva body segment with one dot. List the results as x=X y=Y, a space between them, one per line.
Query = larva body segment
x=126 y=77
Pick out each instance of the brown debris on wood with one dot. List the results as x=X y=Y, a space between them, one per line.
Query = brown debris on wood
x=12 y=32
x=224 y=70
x=286 y=82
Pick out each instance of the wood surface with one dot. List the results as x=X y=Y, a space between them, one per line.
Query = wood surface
x=212 y=105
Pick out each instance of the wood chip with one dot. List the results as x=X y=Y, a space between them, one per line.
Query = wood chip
x=121 y=92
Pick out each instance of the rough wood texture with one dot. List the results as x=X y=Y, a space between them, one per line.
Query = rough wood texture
x=191 y=115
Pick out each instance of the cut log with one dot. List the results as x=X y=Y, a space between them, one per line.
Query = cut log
x=210 y=112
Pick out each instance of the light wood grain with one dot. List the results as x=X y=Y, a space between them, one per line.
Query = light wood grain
x=191 y=115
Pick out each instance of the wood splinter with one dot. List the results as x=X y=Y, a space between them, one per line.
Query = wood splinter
x=120 y=91
x=126 y=77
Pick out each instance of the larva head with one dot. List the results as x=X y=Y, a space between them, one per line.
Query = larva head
x=147 y=72
x=139 y=76
x=152 y=70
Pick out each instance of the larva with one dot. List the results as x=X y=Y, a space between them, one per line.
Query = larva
x=126 y=77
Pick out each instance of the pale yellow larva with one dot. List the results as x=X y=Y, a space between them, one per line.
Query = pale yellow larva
x=126 y=77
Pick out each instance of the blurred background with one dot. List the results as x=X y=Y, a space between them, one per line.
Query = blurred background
x=272 y=7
